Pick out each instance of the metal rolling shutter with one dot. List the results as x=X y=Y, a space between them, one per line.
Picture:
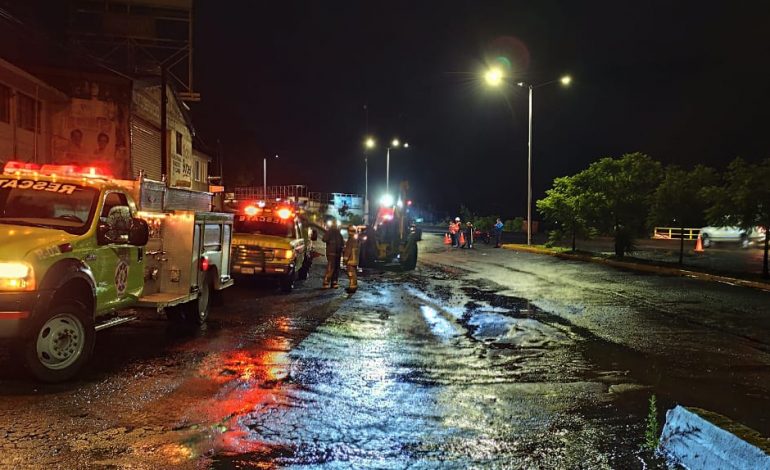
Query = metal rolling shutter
x=145 y=148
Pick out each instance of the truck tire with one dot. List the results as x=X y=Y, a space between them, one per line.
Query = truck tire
x=61 y=342
x=304 y=270
x=197 y=311
x=287 y=282
x=409 y=255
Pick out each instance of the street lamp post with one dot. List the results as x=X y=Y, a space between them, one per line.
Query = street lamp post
x=368 y=144
x=264 y=178
x=395 y=143
x=495 y=77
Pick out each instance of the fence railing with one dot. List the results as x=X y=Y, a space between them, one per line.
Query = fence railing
x=284 y=192
x=675 y=233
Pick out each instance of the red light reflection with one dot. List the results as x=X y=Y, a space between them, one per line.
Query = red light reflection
x=247 y=382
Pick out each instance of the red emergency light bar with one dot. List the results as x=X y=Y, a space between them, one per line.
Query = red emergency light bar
x=282 y=212
x=57 y=170
x=21 y=167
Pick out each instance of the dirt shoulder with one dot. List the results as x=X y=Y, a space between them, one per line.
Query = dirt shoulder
x=642 y=265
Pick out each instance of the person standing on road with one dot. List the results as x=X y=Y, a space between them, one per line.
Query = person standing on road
x=350 y=256
x=334 y=242
x=468 y=235
x=454 y=232
x=498 y=232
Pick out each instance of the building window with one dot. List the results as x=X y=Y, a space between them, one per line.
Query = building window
x=178 y=143
x=27 y=117
x=197 y=170
x=5 y=104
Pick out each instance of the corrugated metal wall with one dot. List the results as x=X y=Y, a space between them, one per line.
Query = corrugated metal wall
x=145 y=148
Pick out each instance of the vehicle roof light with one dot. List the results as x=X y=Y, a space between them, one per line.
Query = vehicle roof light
x=20 y=167
x=74 y=170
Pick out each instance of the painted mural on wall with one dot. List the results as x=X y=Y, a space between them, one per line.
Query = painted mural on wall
x=93 y=129
x=181 y=162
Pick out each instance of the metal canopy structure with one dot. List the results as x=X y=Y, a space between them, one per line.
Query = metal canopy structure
x=139 y=37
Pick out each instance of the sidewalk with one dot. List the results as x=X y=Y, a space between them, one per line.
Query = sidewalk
x=651 y=265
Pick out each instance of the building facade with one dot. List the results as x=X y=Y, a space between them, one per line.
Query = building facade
x=26 y=108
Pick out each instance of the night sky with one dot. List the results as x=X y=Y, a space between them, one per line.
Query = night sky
x=685 y=82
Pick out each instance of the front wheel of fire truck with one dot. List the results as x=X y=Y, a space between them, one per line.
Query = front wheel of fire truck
x=60 y=343
x=287 y=282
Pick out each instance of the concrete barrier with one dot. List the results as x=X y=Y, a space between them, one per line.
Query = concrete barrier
x=698 y=439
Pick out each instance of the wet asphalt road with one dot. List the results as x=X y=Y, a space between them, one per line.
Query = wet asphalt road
x=485 y=358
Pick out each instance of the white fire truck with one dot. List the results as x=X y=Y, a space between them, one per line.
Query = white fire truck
x=81 y=251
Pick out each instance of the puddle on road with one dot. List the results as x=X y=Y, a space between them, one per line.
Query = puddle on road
x=632 y=376
x=491 y=383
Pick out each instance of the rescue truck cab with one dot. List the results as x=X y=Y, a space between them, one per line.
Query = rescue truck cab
x=80 y=252
x=272 y=241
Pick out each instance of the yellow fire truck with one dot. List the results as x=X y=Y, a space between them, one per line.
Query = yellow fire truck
x=272 y=240
x=81 y=251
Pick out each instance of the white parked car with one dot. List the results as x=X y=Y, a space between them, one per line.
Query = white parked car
x=711 y=235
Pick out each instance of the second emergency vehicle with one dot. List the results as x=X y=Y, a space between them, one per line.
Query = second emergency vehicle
x=272 y=240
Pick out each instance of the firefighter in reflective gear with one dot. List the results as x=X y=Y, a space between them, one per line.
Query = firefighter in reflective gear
x=334 y=243
x=454 y=232
x=350 y=258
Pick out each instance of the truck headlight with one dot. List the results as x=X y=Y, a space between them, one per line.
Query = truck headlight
x=16 y=276
x=284 y=254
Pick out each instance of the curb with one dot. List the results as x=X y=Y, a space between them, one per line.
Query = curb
x=700 y=440
x=648 y=268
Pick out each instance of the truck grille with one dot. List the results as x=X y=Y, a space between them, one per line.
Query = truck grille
x=252 y=256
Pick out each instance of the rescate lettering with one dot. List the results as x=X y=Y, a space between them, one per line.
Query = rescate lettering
x=39 y=186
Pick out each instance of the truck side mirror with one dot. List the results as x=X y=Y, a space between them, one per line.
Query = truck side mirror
x=101 y=234
x=313 y=235
x=139 y=232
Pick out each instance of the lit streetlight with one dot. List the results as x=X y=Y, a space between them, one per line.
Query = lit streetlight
x=494 y=77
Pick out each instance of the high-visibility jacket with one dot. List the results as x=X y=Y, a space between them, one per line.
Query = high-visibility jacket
x=454 y=227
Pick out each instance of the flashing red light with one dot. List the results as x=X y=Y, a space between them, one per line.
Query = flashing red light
x=204 y=264
x=58 y=170
x=94 y=172
x=284 y=213
x=20 y=167
x=75 y=171
x=409 y=202
x=251 y=210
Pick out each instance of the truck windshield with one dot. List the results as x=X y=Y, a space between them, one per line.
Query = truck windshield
x=264 y=226
x=68 y=207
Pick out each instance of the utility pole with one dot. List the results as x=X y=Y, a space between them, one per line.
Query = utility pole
x=163 y=125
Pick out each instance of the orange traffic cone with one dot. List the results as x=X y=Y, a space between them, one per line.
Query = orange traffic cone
x=462 y=239
x=699 y=245
x=447 y=239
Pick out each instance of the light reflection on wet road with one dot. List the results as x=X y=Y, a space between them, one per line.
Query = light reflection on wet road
x=440 y=368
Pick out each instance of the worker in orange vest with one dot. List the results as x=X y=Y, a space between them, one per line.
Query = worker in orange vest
x=454 y=231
